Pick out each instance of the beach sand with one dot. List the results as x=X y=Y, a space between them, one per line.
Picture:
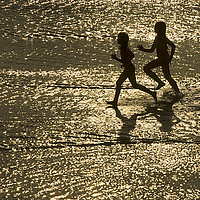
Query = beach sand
x=58 y=137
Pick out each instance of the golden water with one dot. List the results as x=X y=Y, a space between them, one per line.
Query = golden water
x=58 y=138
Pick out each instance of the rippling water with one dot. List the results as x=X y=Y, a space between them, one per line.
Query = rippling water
x=58 y=139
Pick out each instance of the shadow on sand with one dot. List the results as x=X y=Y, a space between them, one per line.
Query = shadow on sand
x=162 y=111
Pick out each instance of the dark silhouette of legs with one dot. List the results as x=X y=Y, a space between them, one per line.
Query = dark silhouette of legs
x=167 y=75
x=130 y=74
x=165 y=68
x=141 y=87
x=119 y=83
x=148 y=71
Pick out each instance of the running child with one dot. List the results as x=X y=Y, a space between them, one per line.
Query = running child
x=161 y=43
x=129 y=69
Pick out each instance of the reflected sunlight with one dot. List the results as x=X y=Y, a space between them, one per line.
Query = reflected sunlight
x=58 y=138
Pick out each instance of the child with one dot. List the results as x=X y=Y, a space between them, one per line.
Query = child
x=161 y=43
x=129 y=69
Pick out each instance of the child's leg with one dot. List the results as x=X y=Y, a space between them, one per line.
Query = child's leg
x=167 y=75
x=147 y=69
x=140 y=87
x=119 y=82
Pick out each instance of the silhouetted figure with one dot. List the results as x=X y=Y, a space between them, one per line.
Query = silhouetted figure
x=129 y=69
x=161 y=43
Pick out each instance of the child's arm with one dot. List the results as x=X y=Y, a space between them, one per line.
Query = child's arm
x=113 y=56
x=141 y=48
x=126 y=56
x=173 y=47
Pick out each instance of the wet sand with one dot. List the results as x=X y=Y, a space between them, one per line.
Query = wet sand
x=62 y=141
x=58 y=137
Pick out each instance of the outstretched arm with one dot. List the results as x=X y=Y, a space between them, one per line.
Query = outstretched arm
x=113 y=56
x=141 y=48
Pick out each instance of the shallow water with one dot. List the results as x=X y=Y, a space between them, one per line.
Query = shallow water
x=58 y=138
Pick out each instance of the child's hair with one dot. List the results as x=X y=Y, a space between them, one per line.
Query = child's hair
x=124 y=38
x=160 y=28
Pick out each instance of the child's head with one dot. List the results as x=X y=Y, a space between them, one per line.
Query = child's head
x=160 y=28
x=123 y=39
